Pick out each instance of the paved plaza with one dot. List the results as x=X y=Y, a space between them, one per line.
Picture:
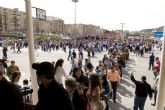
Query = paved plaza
x=125 y=94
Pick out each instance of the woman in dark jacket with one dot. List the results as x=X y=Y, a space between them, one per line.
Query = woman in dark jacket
x=106 y=86
x=82 y=87
x=78 y=75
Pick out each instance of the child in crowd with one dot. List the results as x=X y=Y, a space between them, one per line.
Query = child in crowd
x=27 y=91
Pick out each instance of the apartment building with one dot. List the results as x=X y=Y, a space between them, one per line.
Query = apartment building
x=82 y=30
x=12 y=20
x=51 y=25
x=56 y=25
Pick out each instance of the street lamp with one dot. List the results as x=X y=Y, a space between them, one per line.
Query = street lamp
x=122 y=28
x=75 y=1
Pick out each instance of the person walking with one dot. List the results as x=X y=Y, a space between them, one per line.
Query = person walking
x=143 y=89
x=18 y=48
x=11 y=69
x=93 y=93
x=15 y=77
x=156 y=68
x=155 y=90
x=59 y=71
x=4 y=50
x=70 y=53
x=151 y=61
x=114 y=77
x=4 y=61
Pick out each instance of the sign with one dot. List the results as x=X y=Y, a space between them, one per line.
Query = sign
x=40 y=14
x=158 y=34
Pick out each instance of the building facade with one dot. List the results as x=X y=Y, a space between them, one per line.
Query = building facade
x=13 y=21
x=51 y=25
x=82 y=30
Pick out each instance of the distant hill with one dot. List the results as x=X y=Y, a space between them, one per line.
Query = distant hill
x=159 y=29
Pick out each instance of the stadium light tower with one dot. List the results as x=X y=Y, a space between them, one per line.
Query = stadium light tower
x=75 y=15
x=122 y=29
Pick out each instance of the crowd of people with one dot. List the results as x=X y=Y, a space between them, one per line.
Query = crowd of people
x=86 y=87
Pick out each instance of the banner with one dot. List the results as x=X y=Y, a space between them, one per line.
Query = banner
x=158 y=34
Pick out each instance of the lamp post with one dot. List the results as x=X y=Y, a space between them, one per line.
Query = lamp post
x=122 y=29
x=75 y=28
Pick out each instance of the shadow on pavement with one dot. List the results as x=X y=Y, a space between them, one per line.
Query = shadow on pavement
x=130 y=61
x=126 y=83
x=145 y=57
x=117 y=106
x=118 y=97
x=93 y=57
x=126 y=73
x=129 y=68
x=124 y=91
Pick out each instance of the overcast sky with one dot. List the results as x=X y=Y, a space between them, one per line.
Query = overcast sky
x=136 y=14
